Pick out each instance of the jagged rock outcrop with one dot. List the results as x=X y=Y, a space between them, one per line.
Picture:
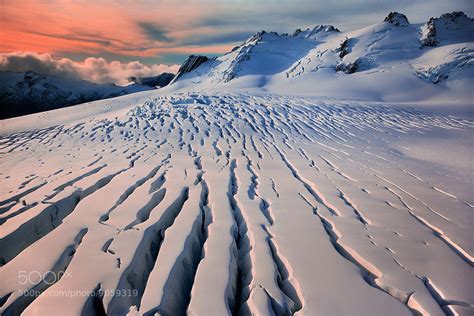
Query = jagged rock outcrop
x=397 y=19
x=345 y=48
x=447 y=27
x=190 y=64
x=349 y=68
x=429 y=36
x=257 y=37
x=318 y=29
x=160 y=81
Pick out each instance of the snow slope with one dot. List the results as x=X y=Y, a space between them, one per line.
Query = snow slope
x=226 y=202
x=238 y=200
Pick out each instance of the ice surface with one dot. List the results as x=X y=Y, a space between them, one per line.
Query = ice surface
x=239 y=203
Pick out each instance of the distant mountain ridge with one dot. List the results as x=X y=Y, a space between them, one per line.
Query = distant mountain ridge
x=30 y=92
x=432 y=52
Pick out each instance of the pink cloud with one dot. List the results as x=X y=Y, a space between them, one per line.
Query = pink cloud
x=144 y=29
x=93 y=69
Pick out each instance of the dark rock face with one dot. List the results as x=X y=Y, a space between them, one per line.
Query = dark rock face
x=325 y=28
x=454 y=16
x=189 y=65
x=447 y=22
x=257 y=37
x=397 y=19
x=430 y=38
x=297 y=32
x=161 y=80
x=344 y=48
x=348 y=68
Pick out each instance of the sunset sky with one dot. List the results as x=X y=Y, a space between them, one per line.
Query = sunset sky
x=165 y=32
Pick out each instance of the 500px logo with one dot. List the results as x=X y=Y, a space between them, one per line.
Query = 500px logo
x=36 y=277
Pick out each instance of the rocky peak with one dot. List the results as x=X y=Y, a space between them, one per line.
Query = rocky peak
x=325 y=28
x=257 y=37
x=297 y=32
x=448 y=27
x=308 y=33
x=455 y=16
x=397 y=19
x=190 y=64
x=429 y=34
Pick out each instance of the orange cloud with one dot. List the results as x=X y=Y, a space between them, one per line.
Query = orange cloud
x=138 y=28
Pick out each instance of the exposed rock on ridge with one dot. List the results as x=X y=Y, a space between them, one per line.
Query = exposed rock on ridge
x=189 y=65
x=397 y=19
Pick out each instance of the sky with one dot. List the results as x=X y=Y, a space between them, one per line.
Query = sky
x=104 y=41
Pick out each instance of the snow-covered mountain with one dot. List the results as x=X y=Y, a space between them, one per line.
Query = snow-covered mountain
x=30 y=92
x=449 y=28
x=379 y=61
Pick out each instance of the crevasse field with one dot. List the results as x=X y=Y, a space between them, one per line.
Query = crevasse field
x=226 y=201
x=247 y=202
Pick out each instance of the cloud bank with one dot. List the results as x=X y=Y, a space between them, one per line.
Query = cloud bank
x=93 y=69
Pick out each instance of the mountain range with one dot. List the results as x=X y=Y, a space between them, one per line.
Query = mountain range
x=392 y=60
x=30 y=92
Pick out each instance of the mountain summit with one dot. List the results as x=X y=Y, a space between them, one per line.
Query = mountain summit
x=397 y=19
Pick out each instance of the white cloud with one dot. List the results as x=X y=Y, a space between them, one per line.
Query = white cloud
x=93 y=69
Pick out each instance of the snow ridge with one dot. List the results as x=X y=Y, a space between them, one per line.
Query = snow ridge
x=323 y=58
